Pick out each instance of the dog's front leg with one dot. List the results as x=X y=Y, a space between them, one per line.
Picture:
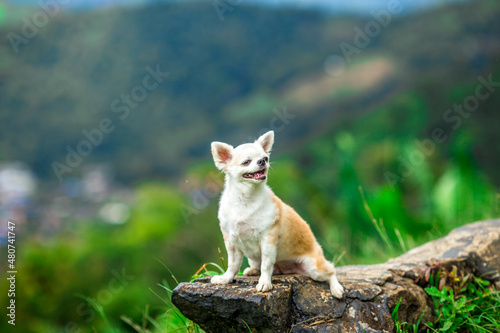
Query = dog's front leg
x=234 y=260
x=268 y=250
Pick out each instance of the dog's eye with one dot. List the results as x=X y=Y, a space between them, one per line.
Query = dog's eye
x=266 y=159
x=247 y=162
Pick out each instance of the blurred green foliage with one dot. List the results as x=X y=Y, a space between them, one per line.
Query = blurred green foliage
x=222 y=89
x=224 y=78
x=321 y=181
x=116 y=266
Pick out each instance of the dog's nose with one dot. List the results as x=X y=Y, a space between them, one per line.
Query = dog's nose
x=261 y=162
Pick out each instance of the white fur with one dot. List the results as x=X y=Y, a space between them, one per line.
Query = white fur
x=248 y=217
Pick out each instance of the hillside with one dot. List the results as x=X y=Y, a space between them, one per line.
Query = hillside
x=384 y=140
x=224 y=79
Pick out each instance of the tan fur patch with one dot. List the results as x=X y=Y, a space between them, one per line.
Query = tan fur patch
x=295 y=235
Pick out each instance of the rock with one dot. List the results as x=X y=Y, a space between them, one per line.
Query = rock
x=231 y=308
x=299 y=304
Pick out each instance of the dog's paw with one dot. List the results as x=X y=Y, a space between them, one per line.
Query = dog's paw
x=249 y=271
x=263 y=286
x=221 y=279
x=336 y=288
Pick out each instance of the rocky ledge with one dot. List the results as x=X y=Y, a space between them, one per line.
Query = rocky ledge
x=299 y=304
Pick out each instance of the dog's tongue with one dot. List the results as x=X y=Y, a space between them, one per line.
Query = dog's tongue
x=259 y=175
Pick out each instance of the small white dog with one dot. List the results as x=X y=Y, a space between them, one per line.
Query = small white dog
x=257 y=224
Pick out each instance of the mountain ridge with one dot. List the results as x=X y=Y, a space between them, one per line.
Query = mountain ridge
x=72 y=71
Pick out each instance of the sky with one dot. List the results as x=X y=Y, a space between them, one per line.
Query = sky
x=358 y=6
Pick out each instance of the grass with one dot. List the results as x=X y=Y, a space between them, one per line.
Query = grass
x=379 y=225
x=405 y=327
x=100 y=310
x=172 y=319
x=461 y=303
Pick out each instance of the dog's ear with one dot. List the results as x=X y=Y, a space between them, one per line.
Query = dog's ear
x=266 y=141
x=222 y=154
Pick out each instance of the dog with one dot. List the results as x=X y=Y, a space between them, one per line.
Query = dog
x=255 y=223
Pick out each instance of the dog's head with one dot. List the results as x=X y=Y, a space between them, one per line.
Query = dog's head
x=248 y=162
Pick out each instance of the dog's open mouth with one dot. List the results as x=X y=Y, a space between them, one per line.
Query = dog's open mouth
x=258 y=175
